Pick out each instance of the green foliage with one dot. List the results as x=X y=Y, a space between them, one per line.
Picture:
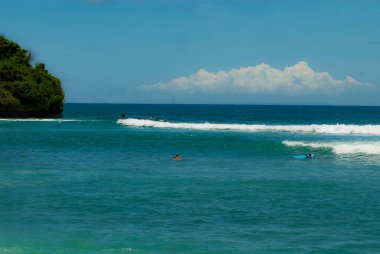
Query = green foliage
x=7 y=98
x=24 y=86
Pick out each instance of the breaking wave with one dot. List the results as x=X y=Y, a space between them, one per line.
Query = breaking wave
x=38 y=120
x=313 y=128
x=341 y=147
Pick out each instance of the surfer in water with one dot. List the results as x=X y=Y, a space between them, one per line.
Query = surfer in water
x=123 y=116
x=177 y=157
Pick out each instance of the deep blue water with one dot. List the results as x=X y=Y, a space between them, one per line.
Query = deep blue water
x=86 y=183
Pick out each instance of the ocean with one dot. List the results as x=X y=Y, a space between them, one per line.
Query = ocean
x=90 y=182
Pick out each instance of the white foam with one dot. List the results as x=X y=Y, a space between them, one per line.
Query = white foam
x=313 y=128
x=341 y=147
x=38 y=120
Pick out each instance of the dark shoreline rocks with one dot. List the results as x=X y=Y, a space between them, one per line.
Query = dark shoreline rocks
x=9 y=112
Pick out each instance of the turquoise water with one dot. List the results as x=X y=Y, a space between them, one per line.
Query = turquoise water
x=90 y=183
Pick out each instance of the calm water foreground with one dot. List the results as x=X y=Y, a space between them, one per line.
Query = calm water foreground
x=90 y=183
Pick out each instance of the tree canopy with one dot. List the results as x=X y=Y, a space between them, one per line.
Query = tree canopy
x=26 y=90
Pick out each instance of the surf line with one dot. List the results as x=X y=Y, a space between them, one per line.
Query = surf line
x=342 y=129
x=349 y=147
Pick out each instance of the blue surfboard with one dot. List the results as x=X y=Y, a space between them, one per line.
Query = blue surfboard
x=302 y=156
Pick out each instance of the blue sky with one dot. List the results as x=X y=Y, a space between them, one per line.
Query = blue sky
x=176 y=51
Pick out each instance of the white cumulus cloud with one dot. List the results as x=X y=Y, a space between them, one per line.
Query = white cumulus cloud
x=299 y=78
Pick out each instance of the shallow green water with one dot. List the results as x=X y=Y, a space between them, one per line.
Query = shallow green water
x=96 y=186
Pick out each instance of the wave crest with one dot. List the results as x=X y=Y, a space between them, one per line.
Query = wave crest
x=341 y=147
x=38 y=120
x=313 y=128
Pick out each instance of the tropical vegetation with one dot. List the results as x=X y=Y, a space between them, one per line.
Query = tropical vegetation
x=26 y=90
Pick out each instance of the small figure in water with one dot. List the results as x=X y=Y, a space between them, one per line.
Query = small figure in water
x=176 y=157
x=309 y=156
x=153 y=118
x=123 y=116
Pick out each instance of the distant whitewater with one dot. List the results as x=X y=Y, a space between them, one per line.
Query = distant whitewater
x=342 y=129
x=41 y=120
